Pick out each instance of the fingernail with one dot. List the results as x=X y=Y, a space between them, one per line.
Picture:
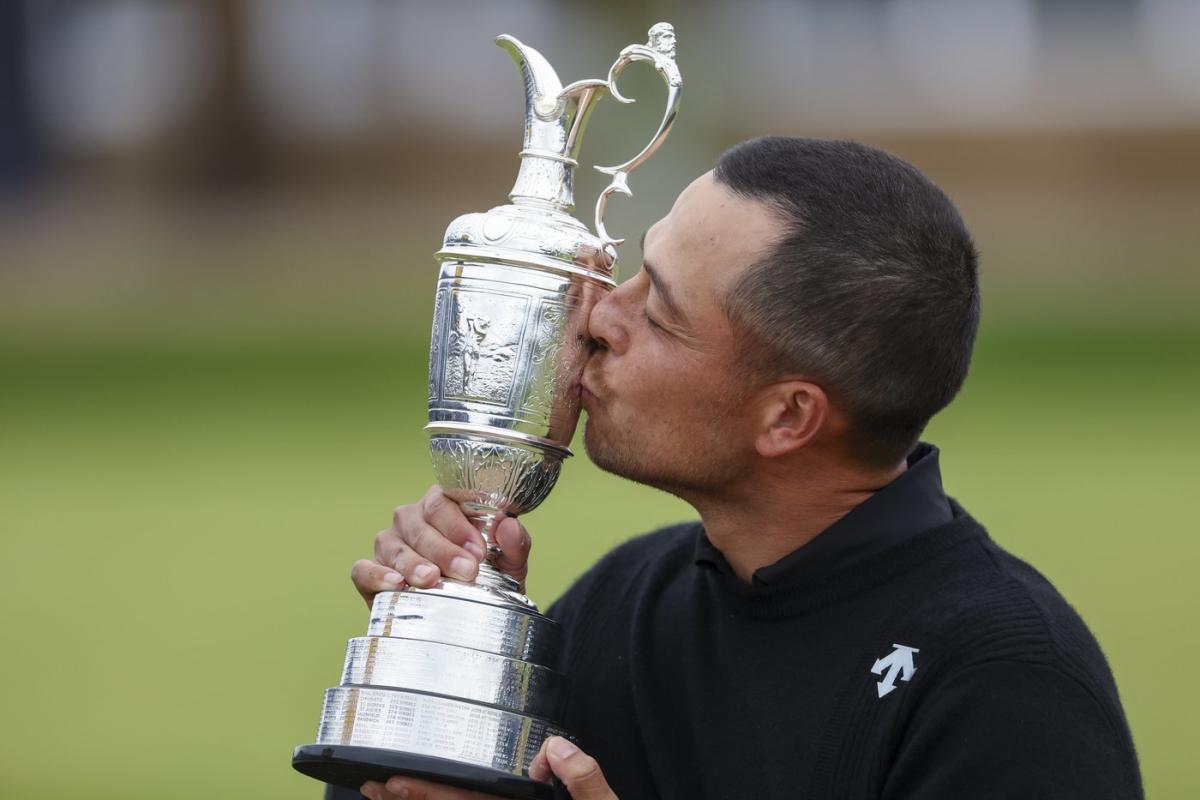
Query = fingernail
x=462 y=567
x=563 y=749
x=394 y=578
x=475 y=549
x=423 y=572
x=398 y=788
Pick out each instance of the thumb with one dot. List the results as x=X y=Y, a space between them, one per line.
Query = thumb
x=577 y=770
x=514 y=544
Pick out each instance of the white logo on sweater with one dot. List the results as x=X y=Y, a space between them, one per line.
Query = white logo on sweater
x=898 y=662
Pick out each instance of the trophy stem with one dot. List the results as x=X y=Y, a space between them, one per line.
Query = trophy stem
x=486 y=522
x=490 y=576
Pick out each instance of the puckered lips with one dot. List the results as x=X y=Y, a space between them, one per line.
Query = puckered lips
x=587 y=397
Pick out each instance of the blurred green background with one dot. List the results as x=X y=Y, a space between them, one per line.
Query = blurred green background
x=214 y=320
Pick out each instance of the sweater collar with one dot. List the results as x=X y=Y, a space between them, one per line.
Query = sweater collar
x=911 y=504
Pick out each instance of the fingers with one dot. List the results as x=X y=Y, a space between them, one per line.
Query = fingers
x=539 y=768
x=440 y=536
x=371 y=578
x=391 y=551
x=404 y=788
x=577 y=770
x=429 y=539
x=434 y=538
x=444 y=515
x=426 y=546
x=393 y=556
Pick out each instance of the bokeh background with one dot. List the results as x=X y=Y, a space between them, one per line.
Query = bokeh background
x=216 y=228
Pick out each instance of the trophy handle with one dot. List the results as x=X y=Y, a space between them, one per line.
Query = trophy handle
x=659 y=51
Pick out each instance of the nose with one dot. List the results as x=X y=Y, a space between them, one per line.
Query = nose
x=606 y=325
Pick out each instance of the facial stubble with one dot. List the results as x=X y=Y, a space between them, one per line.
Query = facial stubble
x=685 y=458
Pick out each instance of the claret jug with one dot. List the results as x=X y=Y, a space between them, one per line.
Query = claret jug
x=458 y=683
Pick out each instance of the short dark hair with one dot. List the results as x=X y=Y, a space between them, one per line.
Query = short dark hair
x=871 y=290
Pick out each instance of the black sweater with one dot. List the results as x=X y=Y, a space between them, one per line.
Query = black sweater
x=900 y=654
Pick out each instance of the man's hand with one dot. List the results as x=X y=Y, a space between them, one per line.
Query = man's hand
x=433 y=538
x=578 y=771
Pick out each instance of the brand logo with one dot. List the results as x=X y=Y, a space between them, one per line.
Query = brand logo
x=899 y=663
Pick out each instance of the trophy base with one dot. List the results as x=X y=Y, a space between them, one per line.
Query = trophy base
x=352 y=766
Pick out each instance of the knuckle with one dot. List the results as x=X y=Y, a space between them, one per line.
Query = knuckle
x=418 y=540
x=385 y=542
x=432 y=543
x=402 y=559
x=446 y=549
x=433 y=504
x=399 y=514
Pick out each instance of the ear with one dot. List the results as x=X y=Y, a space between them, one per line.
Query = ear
x=793 y=412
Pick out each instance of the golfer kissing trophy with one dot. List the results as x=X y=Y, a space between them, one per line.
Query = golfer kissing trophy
x=457 y=683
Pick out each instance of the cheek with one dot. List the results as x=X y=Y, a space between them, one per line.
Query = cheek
x=652 y=370
x=677 y=389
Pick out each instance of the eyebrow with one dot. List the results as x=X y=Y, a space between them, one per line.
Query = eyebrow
x=663 y=290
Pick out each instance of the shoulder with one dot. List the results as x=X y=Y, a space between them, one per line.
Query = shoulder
x=1006 y=663
x=984 y=611
x=1015 y=729
x=627 y=566
x=1002 y=607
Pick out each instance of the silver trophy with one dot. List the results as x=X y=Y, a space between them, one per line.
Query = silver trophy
x=457 y=683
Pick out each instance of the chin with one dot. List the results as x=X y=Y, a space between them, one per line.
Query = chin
x=604 y=452
x=672 y=467
x=593 y=444
x=615 y=456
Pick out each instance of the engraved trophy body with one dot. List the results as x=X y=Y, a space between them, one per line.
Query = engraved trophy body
x=457 y=683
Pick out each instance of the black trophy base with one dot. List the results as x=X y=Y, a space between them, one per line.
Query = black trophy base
x=349 y=766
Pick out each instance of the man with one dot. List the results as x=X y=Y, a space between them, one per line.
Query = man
x=834 y=625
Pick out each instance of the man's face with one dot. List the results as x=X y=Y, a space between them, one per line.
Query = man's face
x=665 y=397
x=663 y=40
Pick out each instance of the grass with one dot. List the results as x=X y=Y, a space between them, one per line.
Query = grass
x=180 y=520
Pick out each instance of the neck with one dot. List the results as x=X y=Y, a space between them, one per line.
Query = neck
x=784 y=507
x=545 y=180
